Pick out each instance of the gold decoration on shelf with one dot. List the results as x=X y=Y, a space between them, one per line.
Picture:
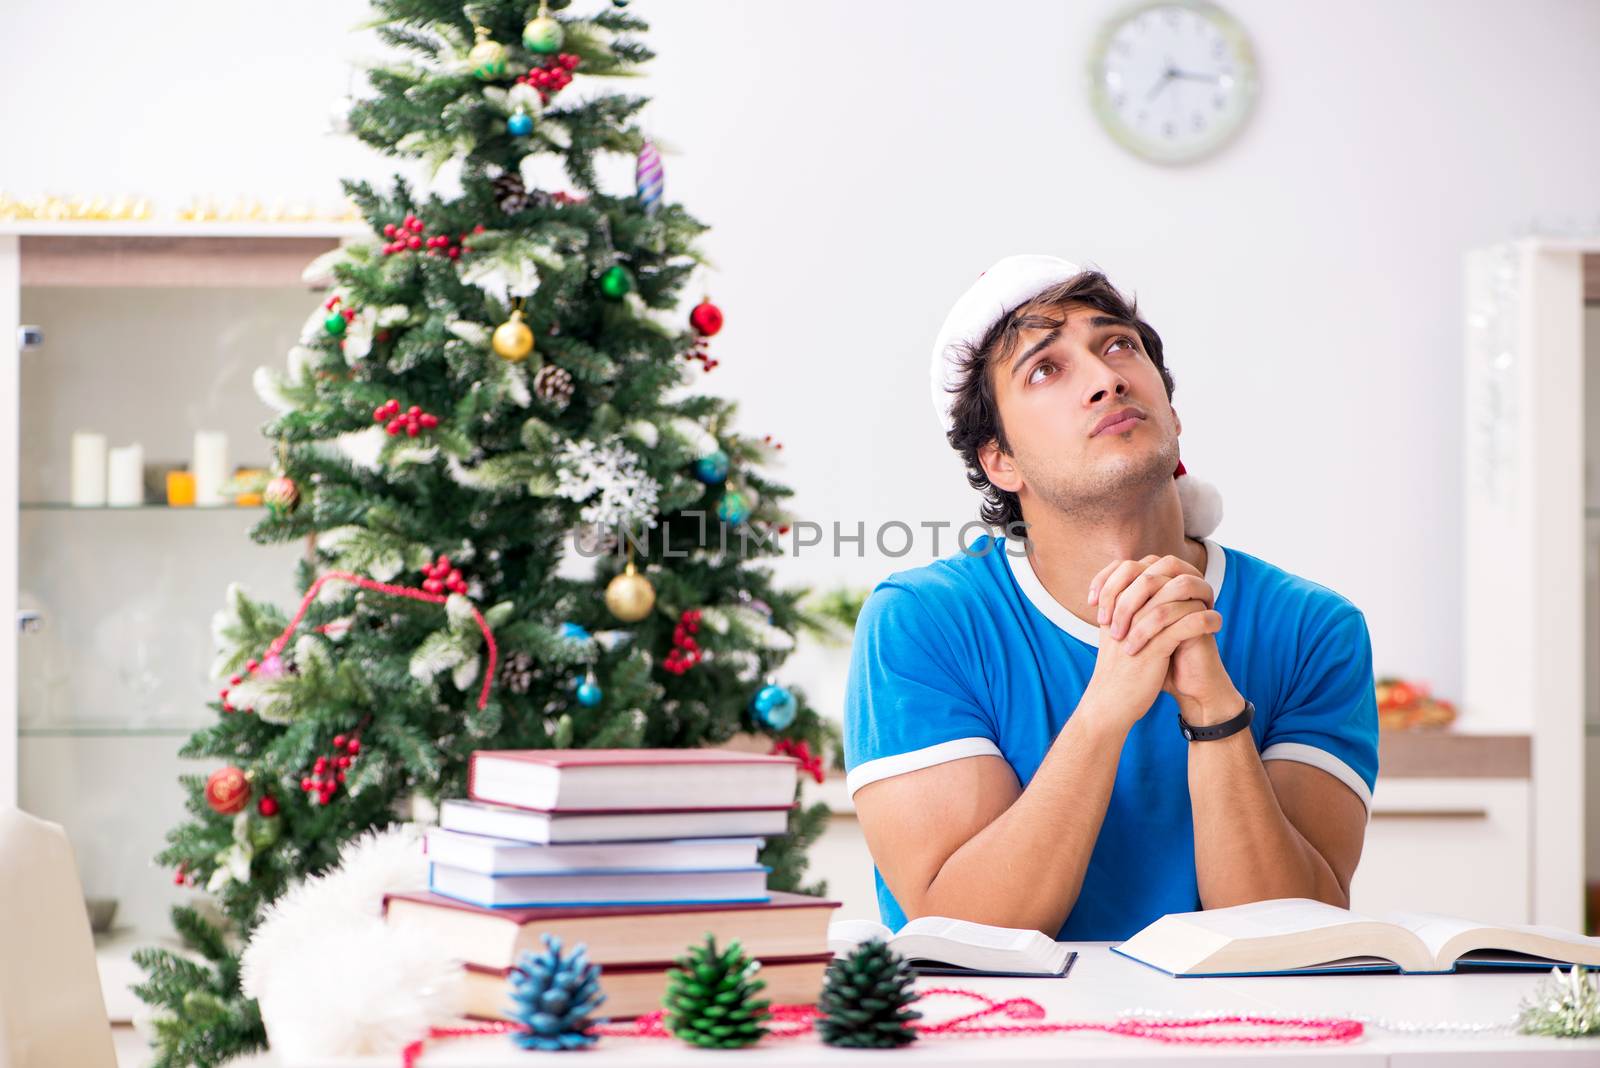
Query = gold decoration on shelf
x=127 y=208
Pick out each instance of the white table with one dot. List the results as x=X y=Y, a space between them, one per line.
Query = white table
x=1104 y=987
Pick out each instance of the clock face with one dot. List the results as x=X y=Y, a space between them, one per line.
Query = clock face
x=1172 y=80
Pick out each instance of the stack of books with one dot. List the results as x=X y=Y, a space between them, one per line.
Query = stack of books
x=636 y=853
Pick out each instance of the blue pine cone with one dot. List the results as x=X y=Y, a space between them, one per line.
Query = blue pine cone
x=552 y=996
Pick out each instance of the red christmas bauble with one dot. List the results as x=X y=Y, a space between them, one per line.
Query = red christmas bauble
x=227 y=791
x=706 y=318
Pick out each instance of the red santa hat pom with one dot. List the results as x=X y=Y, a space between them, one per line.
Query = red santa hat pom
x=1202 y=504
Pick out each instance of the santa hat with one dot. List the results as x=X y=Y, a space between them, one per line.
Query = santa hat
x=997 y=293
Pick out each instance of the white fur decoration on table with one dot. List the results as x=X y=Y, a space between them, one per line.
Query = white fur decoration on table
x=331 y=977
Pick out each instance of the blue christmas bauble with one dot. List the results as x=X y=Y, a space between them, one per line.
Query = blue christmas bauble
x=712 y=468
x=571 y=630
x=589 y=693
x=732 y=508
x=520 y=124
x=774 y=706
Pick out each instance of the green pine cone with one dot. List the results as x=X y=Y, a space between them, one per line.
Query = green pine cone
x=710 y=1000
x=864 y=1000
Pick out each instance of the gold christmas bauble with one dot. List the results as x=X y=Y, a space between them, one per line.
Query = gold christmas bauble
x=630 y=595
x=512 y=339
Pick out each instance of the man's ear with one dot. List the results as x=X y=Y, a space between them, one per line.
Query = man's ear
x=1178 y=421
x=999 y=467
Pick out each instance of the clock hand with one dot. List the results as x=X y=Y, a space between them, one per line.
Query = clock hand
x=1194 y=76
x=1162 y=84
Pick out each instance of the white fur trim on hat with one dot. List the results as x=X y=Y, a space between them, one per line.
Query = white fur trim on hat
x=998 y=291
x=1202 y=506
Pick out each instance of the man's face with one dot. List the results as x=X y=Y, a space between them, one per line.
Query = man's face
x=1054 y=389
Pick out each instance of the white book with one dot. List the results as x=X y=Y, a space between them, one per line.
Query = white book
x=619 y=780
x=527 y=825
x=507 y=856
x=940 y=945
x=599 y=888
x=1301 y=936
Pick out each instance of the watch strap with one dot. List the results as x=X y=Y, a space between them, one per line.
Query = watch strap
x=1215 y=731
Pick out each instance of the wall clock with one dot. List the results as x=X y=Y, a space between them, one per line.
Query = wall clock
x=1172 y=80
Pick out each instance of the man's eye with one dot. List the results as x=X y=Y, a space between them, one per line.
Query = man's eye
x=1033 y=375
x=1123 y=340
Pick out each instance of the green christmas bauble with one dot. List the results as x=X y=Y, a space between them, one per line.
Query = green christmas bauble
x=543 y=35
x=265 y=831
x=335 y=324
x=616 y=283
x=488 y=58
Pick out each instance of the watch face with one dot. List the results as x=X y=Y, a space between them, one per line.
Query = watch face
x=1172 y=80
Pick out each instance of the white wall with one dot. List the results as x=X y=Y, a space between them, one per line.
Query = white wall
x=862 y=162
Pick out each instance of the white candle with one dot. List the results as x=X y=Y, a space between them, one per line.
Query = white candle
x=125 y=477
x=88 y=469
x=210 y=467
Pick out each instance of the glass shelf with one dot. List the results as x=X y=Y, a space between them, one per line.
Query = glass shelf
x=87 y=730
x=64 y=506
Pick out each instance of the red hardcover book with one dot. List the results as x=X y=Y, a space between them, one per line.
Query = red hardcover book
x=785 y=925
x=612 y=780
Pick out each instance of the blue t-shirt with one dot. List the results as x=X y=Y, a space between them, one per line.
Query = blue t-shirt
x=970 y=655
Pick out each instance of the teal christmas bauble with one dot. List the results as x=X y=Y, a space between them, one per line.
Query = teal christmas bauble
x=616 y=283
x=774 y=706
x=589 y=693
x=571 y=630
x=520 y=124
x=733 y=508
x=543 y=35
x=712 y=468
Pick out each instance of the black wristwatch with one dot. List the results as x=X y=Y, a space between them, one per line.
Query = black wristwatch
x=1218 y=730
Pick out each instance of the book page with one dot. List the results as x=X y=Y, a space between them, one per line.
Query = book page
x=1264 y=919
x=1434 y=930
x=844 y=935
x=1285 y=934
x=1449 y=939
x=965 y=932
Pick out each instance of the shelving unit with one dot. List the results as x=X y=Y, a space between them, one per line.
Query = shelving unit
x=1532 y=543
x=151 y=331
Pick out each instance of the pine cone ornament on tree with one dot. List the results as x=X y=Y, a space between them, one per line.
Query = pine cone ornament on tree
x=553 y=385
x=864 y=999
x=511 y=194
x=516 y=674
x=710 y=999
x=553 y=996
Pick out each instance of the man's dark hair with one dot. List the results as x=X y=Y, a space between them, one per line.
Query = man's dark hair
x=975 y=416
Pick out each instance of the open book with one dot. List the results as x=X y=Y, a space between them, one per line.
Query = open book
x=935 y=945
x=1300 y=936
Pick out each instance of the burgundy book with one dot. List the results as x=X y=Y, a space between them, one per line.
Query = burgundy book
x=613 y=780
x=784 y=925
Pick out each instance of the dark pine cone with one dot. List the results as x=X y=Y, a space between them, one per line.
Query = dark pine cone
x=553 y=385
x=516 y=674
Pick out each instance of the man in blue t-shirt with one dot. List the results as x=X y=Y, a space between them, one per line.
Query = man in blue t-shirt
x=1103 y=716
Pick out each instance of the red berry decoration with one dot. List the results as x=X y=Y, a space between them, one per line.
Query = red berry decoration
x=227 y=791
x=267 y=806
x=442 y=575
x=706 y=318
x=413 y=236
x=685 y=652
x=411 y=422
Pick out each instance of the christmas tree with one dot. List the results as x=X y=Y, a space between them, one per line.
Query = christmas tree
x=499 y=380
